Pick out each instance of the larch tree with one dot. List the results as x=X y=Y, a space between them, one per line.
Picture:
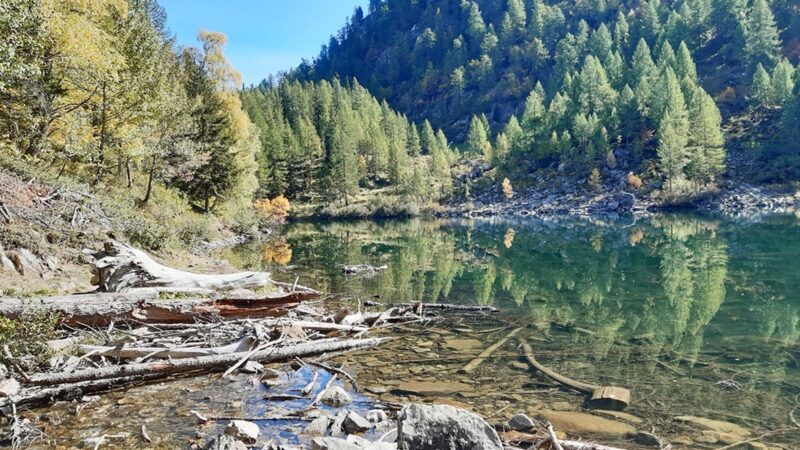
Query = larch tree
x=762 y=39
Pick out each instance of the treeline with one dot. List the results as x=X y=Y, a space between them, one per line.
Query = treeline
x=615 y=112
x=567 y=81
x=465 y=57
x=327 y=140
x=99 y=90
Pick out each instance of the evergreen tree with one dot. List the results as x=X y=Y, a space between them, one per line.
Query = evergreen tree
x=478 y=139
x=413 y=142
x=684 y=64
x=783 y=82
x=428 y=138
x=762 y=40
x=762 y=86
x=706 y=143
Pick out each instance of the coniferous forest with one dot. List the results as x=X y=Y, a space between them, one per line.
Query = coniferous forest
x=408 y=98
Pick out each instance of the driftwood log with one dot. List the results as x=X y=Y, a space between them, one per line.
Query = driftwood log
x=120 y=267
x=145 y=306
x=606 y=397
x=202 y=363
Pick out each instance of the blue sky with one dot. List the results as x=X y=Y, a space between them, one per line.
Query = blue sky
x=264 y=36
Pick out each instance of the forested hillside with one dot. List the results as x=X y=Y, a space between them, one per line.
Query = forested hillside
x=604 y=83
x=322 y=141
x=97 y=92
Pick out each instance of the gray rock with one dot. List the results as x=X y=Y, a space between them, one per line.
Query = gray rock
x=331 y=443
x=338 y=423
x=3 y=371
x=521 y=422
x=336 y=397
x=435 y=427
x=9 y=387
x=318 y=426
x=226 y=443
x=377 y=415
x=354 y=423
x=244 y=431
x=252 y=367
x=351 y=443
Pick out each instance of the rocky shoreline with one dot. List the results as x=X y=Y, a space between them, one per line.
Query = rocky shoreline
x=560 y=197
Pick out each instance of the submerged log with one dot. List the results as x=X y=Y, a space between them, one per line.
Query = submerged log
x=202 y=363
x=472 y=365
x=120 y=267
x=605 y=397
x=144 y=306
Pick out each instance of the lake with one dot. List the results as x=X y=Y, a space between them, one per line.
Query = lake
x=695 y=315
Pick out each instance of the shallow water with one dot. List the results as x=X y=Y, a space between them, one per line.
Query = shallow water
x=696 y=316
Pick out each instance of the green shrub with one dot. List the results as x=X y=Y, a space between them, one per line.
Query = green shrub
x=146 y=232
x=192 y=230
x=28 y=336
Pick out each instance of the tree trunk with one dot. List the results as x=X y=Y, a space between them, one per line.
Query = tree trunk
x=150 y=176
x=119 y=267
x=205 y=363
x=144 y=306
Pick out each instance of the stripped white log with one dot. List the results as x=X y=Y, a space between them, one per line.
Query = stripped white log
x=120 y=267
x=242 y=345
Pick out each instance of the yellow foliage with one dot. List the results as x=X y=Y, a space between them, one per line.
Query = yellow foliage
x=634 y=181
x=595 y=182
x=276 y=210
x=278 y=252
x=508 y=190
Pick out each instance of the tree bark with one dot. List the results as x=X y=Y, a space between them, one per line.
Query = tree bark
x=204 y=363
x=120 y=267
x=144 y=306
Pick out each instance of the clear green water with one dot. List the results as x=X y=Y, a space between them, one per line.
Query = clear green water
x=695 y=315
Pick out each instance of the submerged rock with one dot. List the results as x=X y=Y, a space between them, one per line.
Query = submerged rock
x=244 y=431
x=432 y=388
x=714 y=425
x=336 y=397
x=582 y=423
x=435 y=427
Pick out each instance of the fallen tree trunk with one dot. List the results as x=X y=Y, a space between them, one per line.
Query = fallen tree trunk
x=70 y=391
x=242 y=345
x=205 y=363
x=120 y=267
x=610 y=397
x=144 y=306
x=440 y=306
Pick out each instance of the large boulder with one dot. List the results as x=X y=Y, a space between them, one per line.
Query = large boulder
x=586 y=424
x=443 y=427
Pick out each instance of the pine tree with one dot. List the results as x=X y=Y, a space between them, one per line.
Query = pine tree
x=413 y=143
x=673 y=132
x=621 y=32
x=475 y=24
x=427 y=138
x=534 y=117
x=478 y=139
x=783 y=82
x=596 y=94
x=762 y=86
x=706 y=143
x=515 y=135
x=684 y=64
x=762 y=39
